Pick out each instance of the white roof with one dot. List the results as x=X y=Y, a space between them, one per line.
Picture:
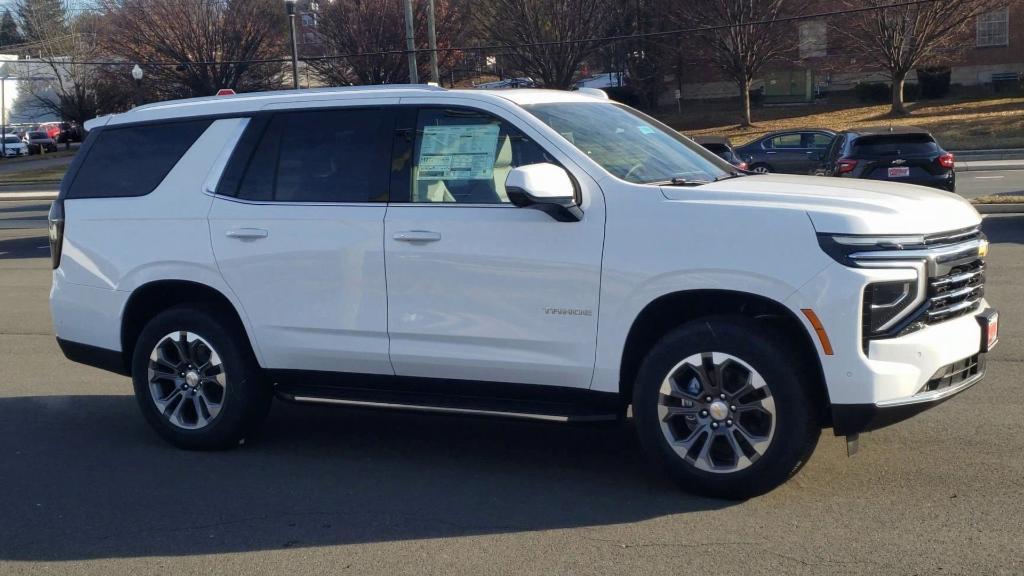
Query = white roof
x=251 y=102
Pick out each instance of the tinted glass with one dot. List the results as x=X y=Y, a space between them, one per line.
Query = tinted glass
x=321 y=156
x=818 y=140
x=37 y=135
x=895 y=145
x=786 y=141
x=628 y=144
x=12 y=139
x=465 y=156
x=132 y=161
x=717 y=148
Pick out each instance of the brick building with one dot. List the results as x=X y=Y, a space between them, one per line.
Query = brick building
x=822 y=61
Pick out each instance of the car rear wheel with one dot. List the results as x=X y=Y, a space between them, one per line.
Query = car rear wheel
x=761 y=169
x=196 y=379
x=725 y=409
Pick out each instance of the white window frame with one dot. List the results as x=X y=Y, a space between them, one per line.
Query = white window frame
x=987 y=33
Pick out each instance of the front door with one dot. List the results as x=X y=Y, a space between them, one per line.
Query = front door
x=479 y=289
x=297 y=227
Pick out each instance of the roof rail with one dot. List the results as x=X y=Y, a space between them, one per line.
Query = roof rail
x=321 y=90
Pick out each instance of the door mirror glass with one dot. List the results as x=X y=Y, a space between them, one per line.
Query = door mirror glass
x=545 y=187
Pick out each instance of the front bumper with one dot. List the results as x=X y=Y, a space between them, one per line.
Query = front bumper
x=848 y=419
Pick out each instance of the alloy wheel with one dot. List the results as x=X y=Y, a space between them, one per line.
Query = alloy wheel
x=717 y=412
x=186 y=380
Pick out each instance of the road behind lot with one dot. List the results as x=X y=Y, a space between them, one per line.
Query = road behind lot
x=87 y=488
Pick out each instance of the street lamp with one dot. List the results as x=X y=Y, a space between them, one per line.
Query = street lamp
x=137 y=75
x=290 y=7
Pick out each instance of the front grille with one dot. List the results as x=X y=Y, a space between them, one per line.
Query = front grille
x=955 y=373
x=953 y=237
x=956 y=293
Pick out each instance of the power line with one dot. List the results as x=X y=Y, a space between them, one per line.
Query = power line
x=501 y=47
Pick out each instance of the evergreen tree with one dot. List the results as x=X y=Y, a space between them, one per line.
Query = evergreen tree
x=42 y=19
x=9 y=34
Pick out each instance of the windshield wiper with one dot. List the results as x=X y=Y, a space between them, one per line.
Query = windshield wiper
x=678 y=181
x=730 y=176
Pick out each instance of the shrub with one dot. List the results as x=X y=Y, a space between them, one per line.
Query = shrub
x=934 y=81
x=880 y=92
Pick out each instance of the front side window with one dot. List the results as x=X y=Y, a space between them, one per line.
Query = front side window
x=818 y=140
x=629 y=144
x=336 y=156
x=464 y=156
x=993 y=28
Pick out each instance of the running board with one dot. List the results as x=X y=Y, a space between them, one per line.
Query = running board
x=451 y=410
x=523 y=401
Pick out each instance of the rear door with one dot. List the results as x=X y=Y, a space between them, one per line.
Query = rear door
x=479 y=289
x=785 y=153
x=297 y=226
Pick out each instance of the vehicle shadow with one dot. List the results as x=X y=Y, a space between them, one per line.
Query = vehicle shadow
x=1004 y=228
x=25 y=247
x=84 y=478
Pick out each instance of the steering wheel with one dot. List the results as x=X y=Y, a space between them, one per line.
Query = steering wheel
x=637 y=166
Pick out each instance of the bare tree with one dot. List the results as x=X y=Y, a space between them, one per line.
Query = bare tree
x=58 y=77
x=741 y=37
x=540 y=36
x=217 y=44
x=369 y=26
x=900 y=38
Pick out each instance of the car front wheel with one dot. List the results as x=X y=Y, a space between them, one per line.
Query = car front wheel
x=725 y=409
x=761 y=169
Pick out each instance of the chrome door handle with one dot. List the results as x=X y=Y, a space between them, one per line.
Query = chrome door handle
x=417 y=236
x=247 y=233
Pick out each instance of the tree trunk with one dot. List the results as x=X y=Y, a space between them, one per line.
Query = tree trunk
x=898 y=80
x=744 y=86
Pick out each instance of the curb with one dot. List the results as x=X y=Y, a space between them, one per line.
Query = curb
x=1008 y=208
x=26 y=196
x=997 y=166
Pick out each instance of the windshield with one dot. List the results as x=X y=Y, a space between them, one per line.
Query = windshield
x=37 y=135
x=628 y=144
x=12 y=140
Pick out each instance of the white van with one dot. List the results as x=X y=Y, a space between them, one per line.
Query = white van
x=525 y=253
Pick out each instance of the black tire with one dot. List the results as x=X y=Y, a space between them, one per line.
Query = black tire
x=797 y=424
x=766 y=167
x=246 y=398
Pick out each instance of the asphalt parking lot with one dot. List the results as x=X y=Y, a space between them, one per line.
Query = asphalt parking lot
x=88 y=488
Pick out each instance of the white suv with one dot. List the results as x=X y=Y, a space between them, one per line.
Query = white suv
x=524 y=253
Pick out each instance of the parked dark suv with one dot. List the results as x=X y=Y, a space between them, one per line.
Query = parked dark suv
x=721 y=147
x=894 y=154
x=787 y=151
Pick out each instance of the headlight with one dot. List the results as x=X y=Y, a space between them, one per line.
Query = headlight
x=887 y=303
x=840 y=247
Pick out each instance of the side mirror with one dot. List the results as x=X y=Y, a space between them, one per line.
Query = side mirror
x=544 y=187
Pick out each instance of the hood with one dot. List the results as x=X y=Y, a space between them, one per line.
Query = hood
x=842 y=205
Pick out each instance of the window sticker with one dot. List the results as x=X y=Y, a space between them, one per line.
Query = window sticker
x=644 y=129
x=463 y=152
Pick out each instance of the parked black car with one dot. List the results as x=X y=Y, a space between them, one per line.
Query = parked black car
x=721 y=147
x=894 y=154
x=787 y=151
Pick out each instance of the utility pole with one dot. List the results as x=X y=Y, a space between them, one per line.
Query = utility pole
x=434 y=74
x=410 y=43
x=290 y=8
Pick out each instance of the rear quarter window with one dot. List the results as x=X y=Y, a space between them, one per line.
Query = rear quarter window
x=134 y=160
x=895 y=145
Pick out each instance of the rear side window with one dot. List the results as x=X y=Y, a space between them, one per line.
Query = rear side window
x=895 y=145
x=134 y=160
x=321 y=156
